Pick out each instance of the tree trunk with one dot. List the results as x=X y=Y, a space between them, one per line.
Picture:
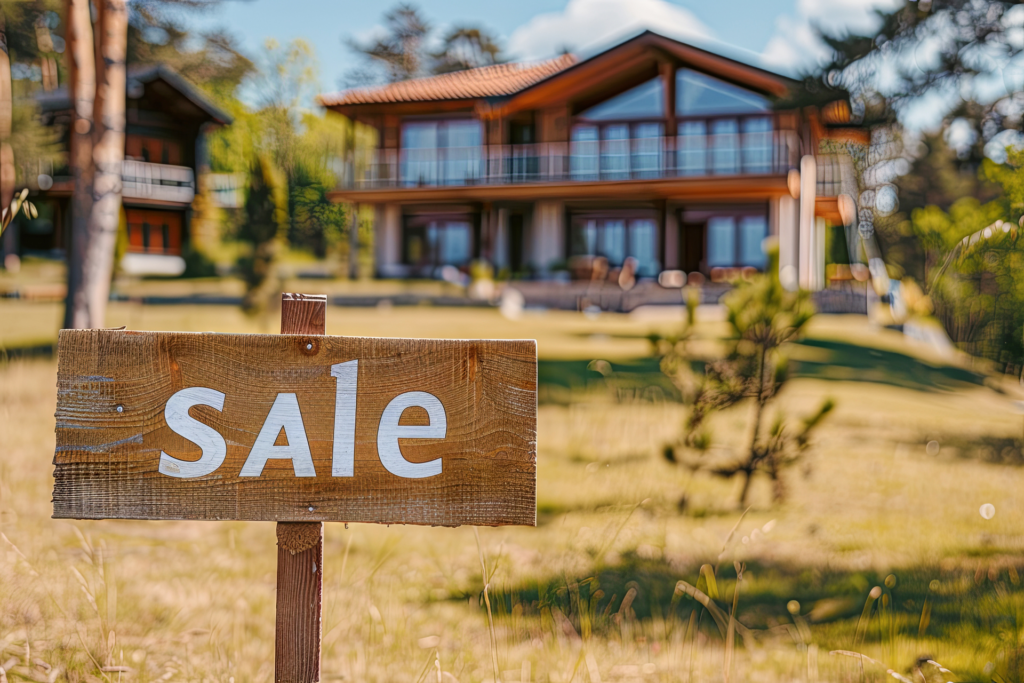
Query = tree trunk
x=108 y=156
x=755 y=456
x=82 y=86
x=7 y=173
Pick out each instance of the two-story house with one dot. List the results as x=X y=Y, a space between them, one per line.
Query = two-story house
x=166 y=119
x=652 y=149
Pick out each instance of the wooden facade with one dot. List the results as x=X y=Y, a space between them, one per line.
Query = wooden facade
x=166 y=119
x=653 y=150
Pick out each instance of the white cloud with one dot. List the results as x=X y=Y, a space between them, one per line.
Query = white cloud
x=587 y=23
x=795 y=44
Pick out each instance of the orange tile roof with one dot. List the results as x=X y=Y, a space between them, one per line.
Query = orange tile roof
x=484 y=81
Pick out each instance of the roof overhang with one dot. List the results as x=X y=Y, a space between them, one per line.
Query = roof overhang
x=200 y=105
x=636 y=55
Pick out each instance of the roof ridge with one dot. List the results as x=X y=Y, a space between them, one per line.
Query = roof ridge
x=482 y=81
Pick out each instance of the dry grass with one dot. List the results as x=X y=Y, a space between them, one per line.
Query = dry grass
x=586 y=596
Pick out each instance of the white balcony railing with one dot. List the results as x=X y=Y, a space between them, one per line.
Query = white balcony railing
x=769 y=152
x=163 y=182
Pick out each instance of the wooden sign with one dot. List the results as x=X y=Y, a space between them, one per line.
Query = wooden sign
x=173 y=425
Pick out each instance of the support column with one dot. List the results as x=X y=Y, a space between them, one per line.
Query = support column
x=789 y=239
x=547 y=236
x=807 y=247
x=388 y=240
x=501 y=240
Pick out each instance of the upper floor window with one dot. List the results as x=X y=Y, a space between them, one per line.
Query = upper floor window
x=441 y=152
x=621 y=137
x=645 y=101
x=698 y=94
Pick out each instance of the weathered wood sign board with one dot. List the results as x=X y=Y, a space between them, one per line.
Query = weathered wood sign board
x=171 y=425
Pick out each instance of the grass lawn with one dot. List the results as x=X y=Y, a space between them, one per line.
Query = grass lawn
x=588 y=595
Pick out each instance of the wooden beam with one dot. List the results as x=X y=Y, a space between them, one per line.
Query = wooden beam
x=683 y=188
x=300 y=545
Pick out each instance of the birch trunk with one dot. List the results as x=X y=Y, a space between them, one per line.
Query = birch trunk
x=108 y=156
x=82 y=86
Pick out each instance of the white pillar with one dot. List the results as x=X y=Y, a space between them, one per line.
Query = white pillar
x=789 y=240
x=807 y=248
x=500 y=248
x=547 y=235
x=389 y=240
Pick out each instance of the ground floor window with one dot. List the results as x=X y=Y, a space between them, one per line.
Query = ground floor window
x=736 y=241
x=616 y=239
x=429 y=243
x=153 y=231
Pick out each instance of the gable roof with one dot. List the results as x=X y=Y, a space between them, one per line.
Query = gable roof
x=485 y=81
x=145 y=74
x=518 y=86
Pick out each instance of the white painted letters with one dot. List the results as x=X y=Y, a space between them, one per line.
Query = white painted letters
x=347 y=375
x=284 y=414
x=207 y=438
x=389 y=432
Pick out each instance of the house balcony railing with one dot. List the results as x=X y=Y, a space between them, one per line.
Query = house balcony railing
x=770 y=152
x=161 y=182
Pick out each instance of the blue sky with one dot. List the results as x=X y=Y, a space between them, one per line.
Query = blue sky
x=773 y=32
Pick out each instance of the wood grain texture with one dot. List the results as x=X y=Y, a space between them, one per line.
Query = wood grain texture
x=106 y=461
x=300 y=546
x=299 y=596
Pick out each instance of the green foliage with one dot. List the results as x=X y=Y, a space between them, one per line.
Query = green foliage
x=973 y=257
x=212 y=61
x=36 y=146
x=466 y=47
x=763 y=317
x=966 y=42
x=263 y=231
x=401 y=53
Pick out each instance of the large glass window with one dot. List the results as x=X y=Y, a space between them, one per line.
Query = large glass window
x=721 y=241
x=757 y=144
x=428 y=244
x=753 y=230
x=646 y=161
x=441 y=152
x=643 y=246
x=616 y=239
x=645 y=101
x=723 y=129
x=693 y=151
x=698 y=94
x=725 y=146
x=615 y=151
x=736 y=241
x=419 y=153
x=584 y=159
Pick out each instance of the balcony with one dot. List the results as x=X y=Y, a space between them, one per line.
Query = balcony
x=160 y=182
x=766 y=153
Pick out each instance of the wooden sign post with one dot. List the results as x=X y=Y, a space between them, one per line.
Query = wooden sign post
x=298 y=428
